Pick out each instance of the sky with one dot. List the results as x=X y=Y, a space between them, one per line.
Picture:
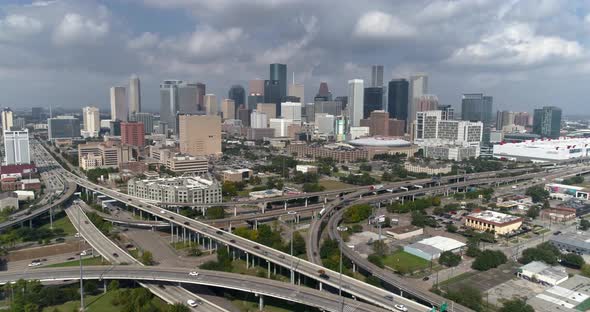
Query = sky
x=524 y=53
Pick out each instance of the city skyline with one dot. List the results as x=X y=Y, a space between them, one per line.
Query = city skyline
x=104 y=43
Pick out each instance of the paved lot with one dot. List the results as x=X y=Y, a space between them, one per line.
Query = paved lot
x=487 y=279
x=513 y=288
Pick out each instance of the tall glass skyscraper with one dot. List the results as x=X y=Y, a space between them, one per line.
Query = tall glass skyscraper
x=397 y=99
x=237 y=93
x=547 y=122
x=279 y=72
x=373 y=100
x=477 y=107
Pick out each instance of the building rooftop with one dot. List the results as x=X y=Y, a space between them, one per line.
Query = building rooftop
x=572 y=295
x=380 y=141
x=494 y=217
x=541 y=268
x=404 y=229
x=577 y=239
x=442 y=243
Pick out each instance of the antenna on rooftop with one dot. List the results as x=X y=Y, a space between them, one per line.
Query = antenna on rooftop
x=293 y=77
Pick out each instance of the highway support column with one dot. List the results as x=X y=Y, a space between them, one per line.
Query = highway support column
x=260 y=302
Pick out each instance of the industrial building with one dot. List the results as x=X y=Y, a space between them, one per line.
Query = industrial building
x=431 y=248
x=496 y=222
x=543 y=150
x=237 y=175
x=571 y=190
x=542 y=273
x=195 y=190
x=577 y=242
x=404 y=232
x=572 y=295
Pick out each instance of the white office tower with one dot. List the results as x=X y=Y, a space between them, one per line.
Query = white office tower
x=324 y=124
x=418 y=88
x=356 y=95
x=430 y=128
x=211 y=104
x=291 y=110
x=16 y=147
x=134 y=95
x=281 y=126
x=359 y=132
x=7 y=119
x=118 y=104
x=91 y=119
x=297 y=89
x=258 y=119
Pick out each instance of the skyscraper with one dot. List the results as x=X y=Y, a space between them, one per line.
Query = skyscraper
x=373 y=100
x=292 y=111
x=297 y=89
x=238 y=95
x=547 y=122
x=254 y=99
x=397 y=100
x=200 y=135
x=228 y=107
x=477 y=107
x=91 y=121
x=16 y=147
x=324 y=93
x=169 y=103
x=188 y=98
x=36 y=113
x=355 y=101
x=504 y=118
x=132 y=133
x=201 y=91
x=258 y=119
x=418 y=87
x=426 y=102
x=377 y=76
x=211 y=104
x=7 y=119
x=118 y=104
x=134 y=95
x=256 y=86
x=279 y=72
x=63 y=127
x=148 y=121
x=522 y=119
x=272 y=93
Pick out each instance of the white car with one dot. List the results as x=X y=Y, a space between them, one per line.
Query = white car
x=195 y=274
x=77 y=235
x=400 y=307
x=192 y=303
x=34 y=264
x=162 y=211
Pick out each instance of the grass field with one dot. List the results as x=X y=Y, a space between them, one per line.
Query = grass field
x=85 y=261
x=334 y=185
x=64 y=224
x=405 y=263
x=98 y=303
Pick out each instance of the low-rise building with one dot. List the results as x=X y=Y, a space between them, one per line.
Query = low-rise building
x=571 y=190
x=431 y=248
x=194 y=190
x=306 y=168
x=112 y=154
x=180 y=164
x=560 y=214
x=266 y=194
x=237 y=175
x=542 y=273
x=404 y=232
x=451 y=152
x=570 y=295
x=496 y=222
x=25 y=195
x=576 y=242
x=90 y=161
x=428 y=168
x=8 y=200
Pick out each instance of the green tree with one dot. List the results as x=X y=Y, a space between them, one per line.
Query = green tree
x=376 y=260
x=533 y=212
x=451 y=228
x=489 y=259
x=298 y=244
x=449 y=259
x=147 y=258
x=585 y=270
x=213 y=213
x=468 y=296
x=312 y=187
x=178 y=307
x=357 y=213
x=573 y=260
x=380 y=248
x=545 y=252
x=516 y=305
x=537 y=193
x=113 y=285
x=584 y=225
x=31 y=307
x=229 y=189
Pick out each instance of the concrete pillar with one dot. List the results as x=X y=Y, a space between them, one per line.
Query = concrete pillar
x=210 y=249
x=326 y=200
x=285 y=205
x=31 y=223
x=247 y=260
x=306 y=202
x=171 y=232
x=260 y=302
x=321 y=286
x=141 y=214
x=204 y=211
x=353 y=268
x=183 y=234
x=263 y=208
x=104 y=287
x=177 y=210
x=268 y=265
x=235 y=211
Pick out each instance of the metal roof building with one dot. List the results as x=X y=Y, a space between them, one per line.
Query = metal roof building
x=578 y=242
x=573 y=295
x=431 y=248
x=538 y=271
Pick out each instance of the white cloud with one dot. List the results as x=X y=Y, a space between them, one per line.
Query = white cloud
x=144 y=41
x=16 y=27
x=42 y=3
x=75 y=28
x=215 y=4
x=204 y=42
x=376 y=24
x=445 y=9
x=517 y=44
x=284 y=52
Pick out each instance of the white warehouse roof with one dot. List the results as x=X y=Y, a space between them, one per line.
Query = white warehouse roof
x=442 y=243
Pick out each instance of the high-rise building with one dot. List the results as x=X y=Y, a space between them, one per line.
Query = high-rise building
x=91 y=121
x=272 y=93
x=397 y=100
x=324 y=93
x=291 y=111
x=238 y=95
x=343 y=100
x=37 y=113
x=522 y=119
x=278 y=72
x=328 y=107
x=256 y=86
x=169 y=103
x=118 y=104
x=477 y=107
x=201 y=91
x=380 y=124
x=547 y=122
x=19 y=123
x=418 y=87
x=132 y=133
x=298 y=90
x=211 y=104
x=426 y=102
x=373 y=100
x=148 y=121
x=228 y=107
x=7 y=119
x=281 y=126
x=188 y=98
x=324 y=124
x=258 y=119
x=16 y=147
x=200 y=135
x=115 y=127
x=448 y=112
x=355 y=101
x=244 y=116
x=134 y=95
x=431 y=128
x=377 y=76
x=269 y=108
x=504 y=118
x=254 y=99
x=63 y=127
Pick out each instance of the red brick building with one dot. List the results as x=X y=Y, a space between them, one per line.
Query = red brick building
x=133 y=133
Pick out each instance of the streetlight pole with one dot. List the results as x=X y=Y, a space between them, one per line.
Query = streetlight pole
x=81 y=270
x=341 y=229
x=293 y=215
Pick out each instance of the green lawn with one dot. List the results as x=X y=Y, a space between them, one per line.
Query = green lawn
x=64 y=224
x=334 y=185
x=180 y=245
x=85 y=261
x=405 y=262
x=98 y=303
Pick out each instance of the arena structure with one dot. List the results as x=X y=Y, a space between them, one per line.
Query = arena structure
x=543 y=150
x=379 y=141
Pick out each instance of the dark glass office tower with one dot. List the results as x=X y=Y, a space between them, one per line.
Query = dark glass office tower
x=477 y=107
x=397 y=99
x=279 y=72
x=373 y=100
x=201 y=91
x=547 y=122
x=238 y=94
x=272 y=93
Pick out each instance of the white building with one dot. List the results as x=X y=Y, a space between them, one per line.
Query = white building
x=543 y=273
x=16 y=147
x=356 y=98
x=543 y=150
x=258 y=119
x=431 y=248
x=118 y=104
x=324 y=124
x=211 y=104
x=7 y=119
x=359 y=132
x=134 y=95
x=291 y=110
x=195 y=190
x=431 y=128
x=306 y=169
x=418 y=88
x=280 y=125
x=91 y=120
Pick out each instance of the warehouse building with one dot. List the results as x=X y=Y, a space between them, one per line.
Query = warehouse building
x=431 y=248
x=578 y=242
x=572 y=295
x=404 y=232
x=543 y=150
x=542 y=273
x=492 y=221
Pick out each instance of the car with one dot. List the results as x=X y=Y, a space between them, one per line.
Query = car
x=195 y=274
x=116 y=255
x=161 y=286
x=34 y=264
x=400 y=307
x=557 y=233
x=388 y=297
x=256 y=247
x=232 y=241
x=192 y=303
x=186 y=223
x=281 y=256
x=129 y=246
x=162 y=211
x=172 y=218
x=77 y=235
x=322 y=274
x=85 y=221
x=71 y=258
x=219 y=232
x=426 y=278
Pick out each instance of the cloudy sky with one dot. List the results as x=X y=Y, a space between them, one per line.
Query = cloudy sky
x=67 y=53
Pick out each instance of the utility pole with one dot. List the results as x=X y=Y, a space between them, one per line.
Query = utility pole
x=341 y=229
x=81 y=269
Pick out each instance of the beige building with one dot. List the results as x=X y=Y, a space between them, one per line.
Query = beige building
x=237 y=175
x=211 y=104
x=431 y=169
x=187 y=164
x=90 y=161
x=200 y=135
x=404 y=232
x=270 y=109
x=112 y=155
x=496 y=222
x=228 y=109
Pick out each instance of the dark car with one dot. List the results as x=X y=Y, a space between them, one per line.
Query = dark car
x=186 y=223
x=116 y=255
x=256 y=247
x=219 y=232
x=172 y=218
x=85 y=221
x=557 y=233
x=426 y=278
x=232 y=240
x=71 y=258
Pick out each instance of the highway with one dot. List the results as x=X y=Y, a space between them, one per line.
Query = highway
x=116 y=255
x=261 y=286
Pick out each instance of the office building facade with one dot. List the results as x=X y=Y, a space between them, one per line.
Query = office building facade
x=238 y=95
x=119 y=104
x=373 y=100
x=148 y=121
x=355 y=101
x=211 y=104
x=292 y=111
x=297 y=90
x=132 y=133
x=63 y=127
x=91 y=121
x=278 y=72
x=7 y=119
x=377 y=76
x=547 y=122
x=397 y=99
x=200 y=135
x=228 y=109
x=477 y=107
x=16 y=147
x=417 y=88
x=134 y=95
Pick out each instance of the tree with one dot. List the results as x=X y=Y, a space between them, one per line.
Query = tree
x=178 y=307
x=468 y=296
x=312 y=187
x=586 y=270
x=545 y=252
x=376 y=260
x=516 y=305
x=489 y=259
x=298 y=244
x=533 y=212
x=213 y=213
x=147 y=258
x=113 y=285
x=584 y=225
x=449 y=259
x=451 y=228
x=31 y=307
x=229 y=189
x=572 y=260
x=357 y=213
x=380 y=248
x=537 y=193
